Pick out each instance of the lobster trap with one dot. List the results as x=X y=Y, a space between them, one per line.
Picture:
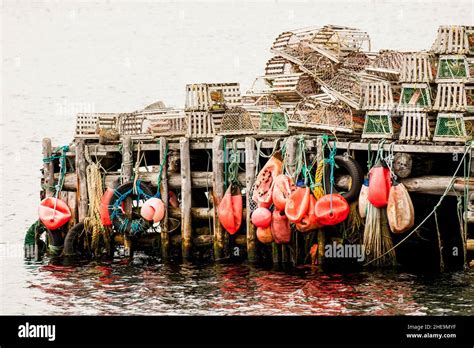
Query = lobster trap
x=415 y=127
x=280 y=66
x=387 y=65
x=213 y=97
x=451 y=97
x=416 y=67
x=201 y=124
x=273 y=121
x=356 y=61
x=415 y=97
x=90 y=124
x=347 y=87
x=322 y=114
x=236 y=121
x=378 y=125
x=452 y=69
x=454 y=39
x=293 y=87
x=166 y=122
x=450 y=127
x=342 y=40
x=377 y=96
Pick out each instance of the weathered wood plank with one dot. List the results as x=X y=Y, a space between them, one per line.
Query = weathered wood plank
x=81 y=180
x=220 y=235
x=48 y=168
x=186 y=192
x=164 y=197
x=250 y=164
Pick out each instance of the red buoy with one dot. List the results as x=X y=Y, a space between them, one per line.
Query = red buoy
x=310 y=220
x=153 y=209
x=54 y=213
x=280 y=227
x=331 y=209
x=297 y=204
x=380 y=183
x=282 y=190
x=262 y=217
x=229 y=211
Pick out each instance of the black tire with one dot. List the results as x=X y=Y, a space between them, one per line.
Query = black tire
x=120 y=222
x=72 y=239
x=354 y=170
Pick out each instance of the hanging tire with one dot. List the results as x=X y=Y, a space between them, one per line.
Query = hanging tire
x=120 y=221
x=356 y=173
x=73 y=239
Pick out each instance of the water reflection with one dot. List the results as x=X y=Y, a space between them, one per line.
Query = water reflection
x=122 y=287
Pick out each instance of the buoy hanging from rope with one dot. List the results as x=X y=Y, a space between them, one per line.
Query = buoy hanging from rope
x=280 y=227
x=264 y=235
x=153 y=209
x=282 y=189
x=380 y=181
x=297 y=204
x=230 y=209
x=310 y=220
x=400 y=212
x=54 y=213
x=331 y=209
x=262 y=217
x=262 y=194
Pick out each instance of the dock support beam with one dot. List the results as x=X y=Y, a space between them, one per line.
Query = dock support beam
x=250 y=157
x=321 y=235
x=221 y=240
x=81 y=180
x=165 y=240
x=127 y=176
x=291 y=148
x=48 y=168
x=186 y=220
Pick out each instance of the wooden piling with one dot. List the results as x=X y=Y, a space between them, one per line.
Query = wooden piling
x=164 y=197
x=127 y=176
x=220 y=236
x=186 y=220
x=48 y=168
x=321 y=235
x=250 y=164
x=82 y=196
x=291 y=148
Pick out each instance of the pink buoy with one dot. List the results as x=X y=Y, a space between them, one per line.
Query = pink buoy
x=153 y=209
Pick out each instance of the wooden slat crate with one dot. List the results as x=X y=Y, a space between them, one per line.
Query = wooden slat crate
x=452 y=68
x=131 y=123
x=450 y=127
x=279 y=66
x=293 y=87
x=387 y=64
x=451 y=39
x=416 y=67
x=377 y=96
x=88 y=124
x=415 y=97
x=212 y=96
x=200 y=124
x=312 y=113
x=469 y=98
x=415 y=127
x=166 y=122
x=293 y=38
x=342 y=40
x=450 y=97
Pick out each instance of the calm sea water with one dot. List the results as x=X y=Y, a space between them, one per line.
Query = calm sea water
x=59 y=59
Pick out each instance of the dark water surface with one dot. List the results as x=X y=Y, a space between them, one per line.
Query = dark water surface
x=137 y=289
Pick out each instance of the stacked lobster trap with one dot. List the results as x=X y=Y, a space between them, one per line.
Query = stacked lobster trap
x=453 y=47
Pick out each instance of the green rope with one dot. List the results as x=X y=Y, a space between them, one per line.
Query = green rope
x=234 y=165
x=162 y=164
x=225 y=163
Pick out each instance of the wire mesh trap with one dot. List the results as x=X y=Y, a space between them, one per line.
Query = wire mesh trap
x=450 y=127
x=378 y=124
x=236 y=121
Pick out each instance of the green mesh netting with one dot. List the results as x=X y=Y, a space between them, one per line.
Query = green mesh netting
x=452 y=68
x=412 y=96
x=450 y=126
x=378 y=124
x=273 y=121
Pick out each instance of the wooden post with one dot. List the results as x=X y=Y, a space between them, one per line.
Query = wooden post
x=127 y=175
x=291 y=147
x=186 y=230
x=165 y=241
x=220 y=235
x=250 y=164
x=321 y=235
x=72 y=203
x=48 y=168
x=81 y=180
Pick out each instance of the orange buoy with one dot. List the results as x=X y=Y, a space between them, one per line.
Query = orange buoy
x=331 y=209
x=280 y=227
x=53 y=213
x=380 y=183
x=229 y=211
x=297 y=204
x=262 y=193
x=400 y=211
x=104 y=207
x=310 y=220
x=173 y=199
x=153 y=209
x=282 y=189
x=262 y=217
x=264 y=235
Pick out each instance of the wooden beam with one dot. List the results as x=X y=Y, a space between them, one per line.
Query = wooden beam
x=48 y=167
x=403 y=147
x=165 y=240
x=220 y=235
x=250 y=165
x=81 y=181
x=186 y=220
